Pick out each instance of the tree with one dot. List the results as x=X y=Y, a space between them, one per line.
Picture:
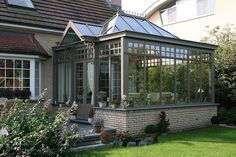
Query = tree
x=225 y=64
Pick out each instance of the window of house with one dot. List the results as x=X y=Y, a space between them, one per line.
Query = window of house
x=20 y=74
x=21 y=3
x=171 y=14
x=186 y=10
x=205 y=7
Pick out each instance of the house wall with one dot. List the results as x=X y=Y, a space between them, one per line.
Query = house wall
x=195 y=29
x=47 y=41
x=135 y=121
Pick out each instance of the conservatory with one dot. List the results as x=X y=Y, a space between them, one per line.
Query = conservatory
x=129 y=69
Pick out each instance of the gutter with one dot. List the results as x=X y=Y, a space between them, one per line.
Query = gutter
x=31 y=28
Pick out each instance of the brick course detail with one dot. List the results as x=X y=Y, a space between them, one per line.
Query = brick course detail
x=134 y=121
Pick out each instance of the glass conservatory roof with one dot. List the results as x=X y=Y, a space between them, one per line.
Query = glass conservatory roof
x=122 y=22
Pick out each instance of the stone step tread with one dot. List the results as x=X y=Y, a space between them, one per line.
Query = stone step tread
x=86 y=143
x=88 y=147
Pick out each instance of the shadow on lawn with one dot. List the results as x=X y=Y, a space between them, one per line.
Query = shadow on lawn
x=214 y=135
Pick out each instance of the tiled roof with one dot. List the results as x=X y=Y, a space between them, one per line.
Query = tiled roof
x=20 y=43
x=57 y=13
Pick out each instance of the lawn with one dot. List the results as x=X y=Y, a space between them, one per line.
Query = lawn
x=209 y=142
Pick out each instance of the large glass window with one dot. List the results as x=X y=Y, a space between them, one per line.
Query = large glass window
x=15 y=74
x=136 y=76
x=195 y=78
x=110 y=72
x=181 y=81
x=115 y=78
x=64 y=82
x=168 y=81
x=168 y=74
x=153 y=80
x=104 y=78
x=206 y=82
x=22 y=74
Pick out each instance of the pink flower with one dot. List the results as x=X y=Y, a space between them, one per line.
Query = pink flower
x=47 y=103
x=17 y=149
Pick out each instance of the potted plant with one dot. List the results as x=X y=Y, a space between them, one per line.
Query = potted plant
x=98 y=124
x=73 y=110
x=215 y=120
x=90 y=115
x=151 y=131
x=102 y=95
x=105 y=137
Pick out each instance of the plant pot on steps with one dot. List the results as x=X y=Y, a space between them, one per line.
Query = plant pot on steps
x=105 y=137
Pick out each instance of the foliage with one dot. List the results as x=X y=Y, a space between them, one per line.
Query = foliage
x=150 y=129
x=122 y=138
x=98 y=122
x=215 y=120
x=34 y=132
x=74 y=108
x=227 y=116
x=162 y=126
x=133 y=99
x=11 y=94
x=225 y=67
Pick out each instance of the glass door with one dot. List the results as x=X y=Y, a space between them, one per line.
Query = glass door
x=84 y=93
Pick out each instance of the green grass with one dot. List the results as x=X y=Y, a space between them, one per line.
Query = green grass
x=209 y=142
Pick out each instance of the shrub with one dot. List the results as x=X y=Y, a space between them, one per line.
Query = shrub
x=227 y=116
x=150 y=129
x=215 y=120
x=162 y=126
x=34 y=132
x=122 y=138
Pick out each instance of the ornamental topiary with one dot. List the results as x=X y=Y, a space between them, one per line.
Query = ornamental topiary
x=34 y=132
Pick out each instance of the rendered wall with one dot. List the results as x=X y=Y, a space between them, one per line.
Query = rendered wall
x=47 y=41
x=195 y=29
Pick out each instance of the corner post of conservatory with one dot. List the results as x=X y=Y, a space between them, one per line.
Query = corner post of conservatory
x=213 y=76
x=124 y=67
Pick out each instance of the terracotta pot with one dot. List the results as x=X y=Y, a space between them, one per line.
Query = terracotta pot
x=98 y=129
x=105 y=137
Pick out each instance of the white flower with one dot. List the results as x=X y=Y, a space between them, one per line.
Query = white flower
x=3 y=132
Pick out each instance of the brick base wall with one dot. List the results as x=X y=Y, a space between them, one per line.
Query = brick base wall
x=135 y=121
